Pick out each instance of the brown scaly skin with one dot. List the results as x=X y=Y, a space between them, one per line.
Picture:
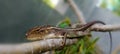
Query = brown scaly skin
x=40 y=32
x=45 y=32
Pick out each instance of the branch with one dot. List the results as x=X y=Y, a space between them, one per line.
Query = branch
x=34 y=47
x=77 y=11
x=105 y=28
x=48 y=44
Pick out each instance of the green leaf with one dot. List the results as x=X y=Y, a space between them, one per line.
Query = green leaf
x=64 y=23
x=92 y=44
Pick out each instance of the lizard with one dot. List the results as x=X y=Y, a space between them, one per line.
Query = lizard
x=48 y=31
x=41 y=32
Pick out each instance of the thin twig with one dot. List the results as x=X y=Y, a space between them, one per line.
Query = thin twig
x=77 y=11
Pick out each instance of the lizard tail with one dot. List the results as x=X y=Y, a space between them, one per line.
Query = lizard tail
x=110 y=42
x=86 y=26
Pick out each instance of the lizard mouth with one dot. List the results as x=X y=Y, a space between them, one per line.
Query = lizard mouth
x=33 y=37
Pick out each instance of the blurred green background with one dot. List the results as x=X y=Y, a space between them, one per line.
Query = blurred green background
x=17 y=16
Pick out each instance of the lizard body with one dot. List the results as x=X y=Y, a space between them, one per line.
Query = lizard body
x=48 y=31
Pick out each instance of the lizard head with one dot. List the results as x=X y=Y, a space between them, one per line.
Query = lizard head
x=38 y=32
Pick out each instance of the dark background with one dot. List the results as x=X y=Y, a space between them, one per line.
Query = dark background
x=17 y=16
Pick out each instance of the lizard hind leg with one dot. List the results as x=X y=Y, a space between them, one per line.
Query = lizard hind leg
x=64 y=39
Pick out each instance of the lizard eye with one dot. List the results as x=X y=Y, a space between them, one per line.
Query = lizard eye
x=37 y=30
